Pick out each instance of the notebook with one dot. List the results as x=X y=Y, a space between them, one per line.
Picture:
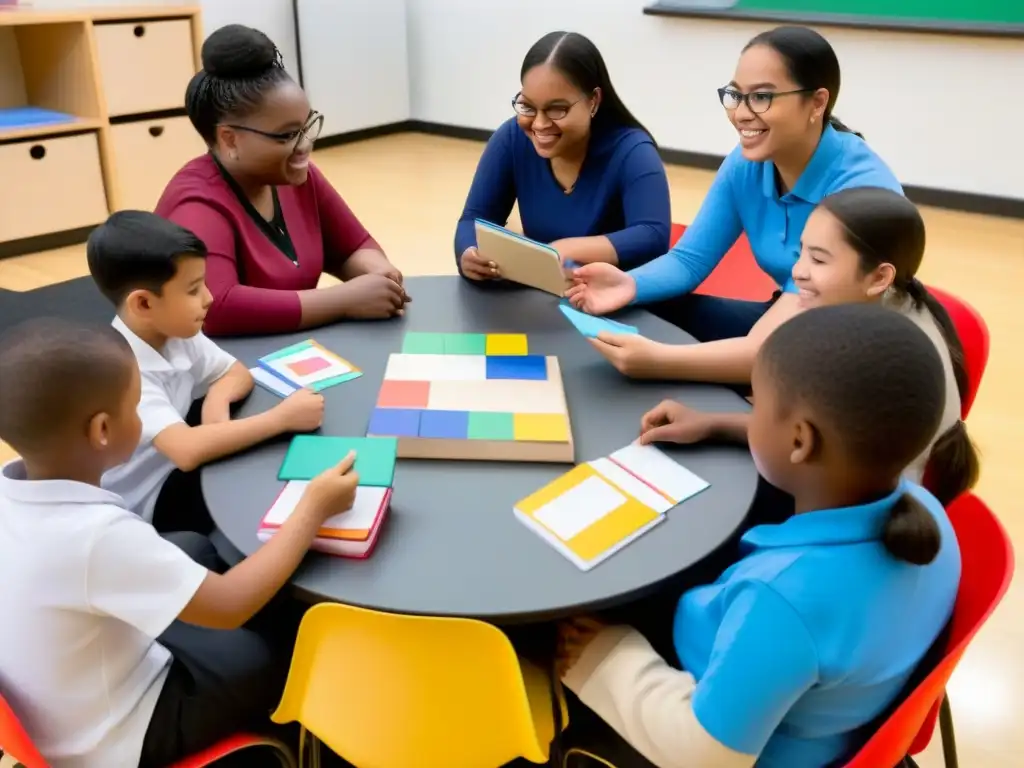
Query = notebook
x=590 y=326
x=305 y=364
x=352 y=533
x=521 y=259
x=309 y=455
x=595 y=509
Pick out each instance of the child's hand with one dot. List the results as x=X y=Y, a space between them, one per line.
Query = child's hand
x=334 y=490
x=301 y=411
x=574 y=636
x=631 y=354
x=672 y=422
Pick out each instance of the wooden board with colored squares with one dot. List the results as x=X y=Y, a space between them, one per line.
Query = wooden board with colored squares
x=473 y=396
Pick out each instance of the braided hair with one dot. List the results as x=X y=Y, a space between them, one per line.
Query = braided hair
x=240 y=65
x=871 y=379
x=884 y=227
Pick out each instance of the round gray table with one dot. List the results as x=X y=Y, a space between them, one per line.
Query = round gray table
x=452 y=546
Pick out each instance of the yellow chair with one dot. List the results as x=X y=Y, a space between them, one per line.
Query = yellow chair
x=392 y=691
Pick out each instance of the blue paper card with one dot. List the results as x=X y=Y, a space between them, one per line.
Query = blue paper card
x=590 y=326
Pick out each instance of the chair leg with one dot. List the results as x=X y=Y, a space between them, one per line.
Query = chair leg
x=946 y=733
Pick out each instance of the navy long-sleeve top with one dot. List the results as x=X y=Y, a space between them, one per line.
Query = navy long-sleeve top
x=621 y=192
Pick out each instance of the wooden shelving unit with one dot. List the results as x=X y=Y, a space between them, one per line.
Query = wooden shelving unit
x=116 y=79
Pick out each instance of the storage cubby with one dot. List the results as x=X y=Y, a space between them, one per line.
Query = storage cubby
x=91 y=113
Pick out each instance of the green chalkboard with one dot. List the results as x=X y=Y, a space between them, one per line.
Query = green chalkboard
x=986 y=17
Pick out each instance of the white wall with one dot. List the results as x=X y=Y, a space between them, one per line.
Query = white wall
x=354 y=63
x=935 y=107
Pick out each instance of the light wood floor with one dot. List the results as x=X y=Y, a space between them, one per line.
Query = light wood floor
x=409 y=189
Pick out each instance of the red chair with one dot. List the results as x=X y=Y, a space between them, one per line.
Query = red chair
x=15 y=743
x=987 y=558
x=737 y=276
x=973 y=333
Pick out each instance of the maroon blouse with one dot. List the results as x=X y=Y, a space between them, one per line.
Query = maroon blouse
x=254 y=283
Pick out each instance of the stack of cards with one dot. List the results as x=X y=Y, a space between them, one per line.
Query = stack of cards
x=306 y=364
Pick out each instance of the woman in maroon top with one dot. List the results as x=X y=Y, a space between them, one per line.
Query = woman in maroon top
x=271 y=222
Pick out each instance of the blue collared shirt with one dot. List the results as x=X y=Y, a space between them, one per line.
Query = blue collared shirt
x=814 y=632
x=744 y=197
x=621 y=192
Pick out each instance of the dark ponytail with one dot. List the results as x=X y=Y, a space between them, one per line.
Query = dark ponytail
x=839 y=125
x=953 y=465
x=811 y=62
x=576 y=57
x=911 y=533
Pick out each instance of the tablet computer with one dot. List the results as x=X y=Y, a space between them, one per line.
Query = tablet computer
x=521 y=259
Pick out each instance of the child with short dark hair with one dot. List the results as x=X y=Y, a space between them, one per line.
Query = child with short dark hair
x=121 y=649
x=153 y=271
x=817 y=629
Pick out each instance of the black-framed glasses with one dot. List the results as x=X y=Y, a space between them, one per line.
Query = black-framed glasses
x=557 y=112
x=757 y=102
x=310 y=131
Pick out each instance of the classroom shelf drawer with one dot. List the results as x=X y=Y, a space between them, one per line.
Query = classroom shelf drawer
x=145 y=66
x=147 y=154
x=50 y=185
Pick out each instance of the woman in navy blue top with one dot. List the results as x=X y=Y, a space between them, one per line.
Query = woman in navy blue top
x=586 y=173
x=792 y=153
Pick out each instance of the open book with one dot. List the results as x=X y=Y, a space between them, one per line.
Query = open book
x=597 y=508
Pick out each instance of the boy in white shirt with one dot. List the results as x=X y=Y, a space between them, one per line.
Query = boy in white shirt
x=120 y=649
x=154 y=271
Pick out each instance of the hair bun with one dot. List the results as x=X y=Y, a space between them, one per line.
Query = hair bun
x=237 y=51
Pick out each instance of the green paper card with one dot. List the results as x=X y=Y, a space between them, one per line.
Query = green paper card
x=309 y=455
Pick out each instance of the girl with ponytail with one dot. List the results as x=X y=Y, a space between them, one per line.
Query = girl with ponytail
x=816 y=630
x=863 y=245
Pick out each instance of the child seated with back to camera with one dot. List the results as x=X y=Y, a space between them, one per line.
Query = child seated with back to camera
x=120 y=648
x=788 y=658
x=153 y=271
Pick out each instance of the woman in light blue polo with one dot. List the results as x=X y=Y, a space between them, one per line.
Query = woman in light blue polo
x=793 y=151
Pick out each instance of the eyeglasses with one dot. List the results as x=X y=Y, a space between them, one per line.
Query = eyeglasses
x=310 y=132
x=558 y=112
x=757 y=102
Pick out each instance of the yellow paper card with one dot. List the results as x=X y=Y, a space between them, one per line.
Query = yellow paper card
x=506 y=344
x=540 y=427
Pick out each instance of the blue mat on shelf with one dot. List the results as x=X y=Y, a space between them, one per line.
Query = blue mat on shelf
x=30 y=117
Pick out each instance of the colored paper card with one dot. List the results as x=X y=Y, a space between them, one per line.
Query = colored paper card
x=506 y=344
x=449 y=425
x=308 y=364
x=403 y=394
x=586 y=517
x=658 y=470
x=465 y=344
x=429 y=367
x=491 y=426
x=541 y=427
x=394 y=422
x=590 y=326
x=272 y=383
x=309 y=455
x=523 y=367
x=416 y=343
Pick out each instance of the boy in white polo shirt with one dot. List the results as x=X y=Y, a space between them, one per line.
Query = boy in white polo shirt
x=154 y=273
x=119 y=649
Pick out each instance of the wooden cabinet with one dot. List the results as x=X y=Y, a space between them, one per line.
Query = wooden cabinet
x=91 y=114
x=144 y=67
x=147 y=153
x=59 y=186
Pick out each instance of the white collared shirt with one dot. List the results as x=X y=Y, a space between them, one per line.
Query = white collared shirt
x=87 y=587
x=171 y=381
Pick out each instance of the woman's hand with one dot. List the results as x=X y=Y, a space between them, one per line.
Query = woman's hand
x=632 y=355
x=672 y=422
x=574 y=635
x=373 y=297
x=600 y=288
x=476 y=267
